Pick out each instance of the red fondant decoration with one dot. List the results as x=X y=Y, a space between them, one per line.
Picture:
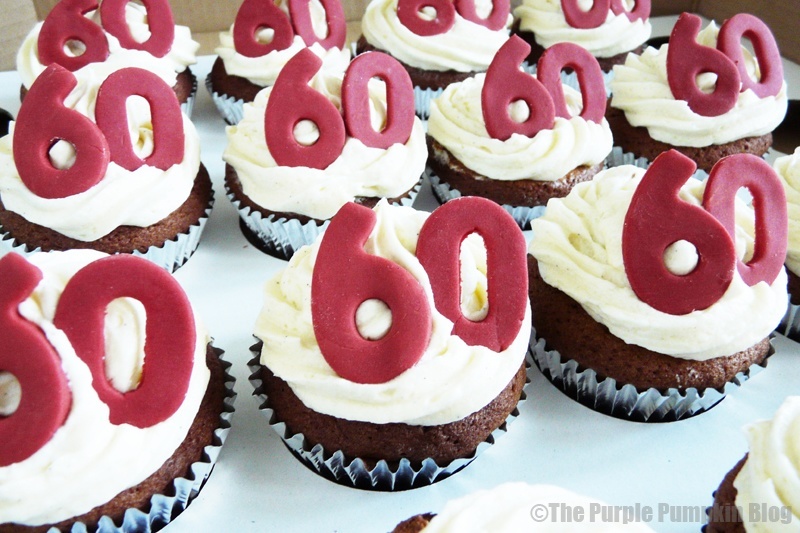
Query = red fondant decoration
x=408 y=12
x=495 y=21
x=344 y=277
x=766 y=51
x=769 y=202
x=112 y=118
x=170 y=330
x=300 y=12
x=686 y=59
x=399 y=100
x=438 y=250
x=254 y=15
x=640 y=11
x=506 y=83
x=42 y=121
x=29 y=357
x=66 y=22
x=585 y=20
x=159 y=18
x=590 y=78
x=291 y=101
x=657 y=218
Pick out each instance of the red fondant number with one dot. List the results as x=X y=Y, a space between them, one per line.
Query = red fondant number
x=29 y=357
x=590 y=77
x=334 y=17
x=254 y=15
x=399 y=100
x=769 y=203
x=495 y=21
x=42 y=121
x=438 y=250
x=344 y=277
x=409 y=13
x=166 y=117
x=764 y=46
x=170 y=331
x=578 y=18
x=159 y=18
x=640 y=11
x=65 y=23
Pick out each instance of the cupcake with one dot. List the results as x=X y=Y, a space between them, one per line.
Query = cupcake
x=516 y=506
x=761 y=492
x=608 y=31
x=284 y=201
x=639 y=306
x=539 y=151
x=788 y=170
x=436 y=51
x=103 y=441
x=115 y=182
x=137 y=36
x=245 y=64
x=656 y=105
x=367 y=380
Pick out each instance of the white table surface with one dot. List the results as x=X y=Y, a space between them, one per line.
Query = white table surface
x=257 y=485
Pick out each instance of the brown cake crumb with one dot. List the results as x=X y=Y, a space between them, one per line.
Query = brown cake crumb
x=415 y=524
x=723 y=517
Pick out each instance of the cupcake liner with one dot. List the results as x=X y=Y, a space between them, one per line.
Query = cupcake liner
x=422 y=100
x=282 y=237
x=231 y=108
x=188 y=106
x=171 y=255
x=354 y=472
x=163 y=508
x=618 y=157
x=790 y=323
x=624 y=400
x=443 y=192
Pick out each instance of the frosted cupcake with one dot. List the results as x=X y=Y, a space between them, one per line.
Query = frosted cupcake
x=638 y=327
x=284 y=204
x=788 y=170
x=85 y=447
x=436 y=51
x=246 y=63
x=131 y=182
x=140 y=37
x=365 y=378
x=656 y=104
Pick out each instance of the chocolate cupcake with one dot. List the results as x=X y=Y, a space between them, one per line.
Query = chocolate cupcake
x=788 y=170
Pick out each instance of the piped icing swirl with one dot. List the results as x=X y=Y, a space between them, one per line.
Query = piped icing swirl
x=456 y=122
x=450 y=381
x=788 y=170
x=139 y=198
x=771 y=474
x=641 y=89
x=577 y=243
x=465 y=47
x=358 y=171
x=545 y=18
x=90 y=459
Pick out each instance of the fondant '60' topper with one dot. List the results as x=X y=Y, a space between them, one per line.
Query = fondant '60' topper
x=595 y=16
x=414 y=15
x=686 y=59
x=345 y=276
x=544 y=95
x=658 y=218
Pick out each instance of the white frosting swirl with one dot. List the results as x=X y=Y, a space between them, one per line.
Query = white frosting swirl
x=456 y=122
x=640 y=88
x=358 y=171
x=578 y=244
x=771 y=474
x=508 y=508
x=618 y=34
x=465 y=47
x=89 y=459
x=140 y=198
x=182 y=54
x=449 y=382
x=788 y=170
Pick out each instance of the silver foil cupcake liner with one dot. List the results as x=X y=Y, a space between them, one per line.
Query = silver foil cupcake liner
x=422 y=100
x=188 y=106
x=231 y=108
x=444 y=192
x=171 y=255
x=790 y=323
x=625 y=401
x=354 y=472
x=282 y=237
x=163 y=508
